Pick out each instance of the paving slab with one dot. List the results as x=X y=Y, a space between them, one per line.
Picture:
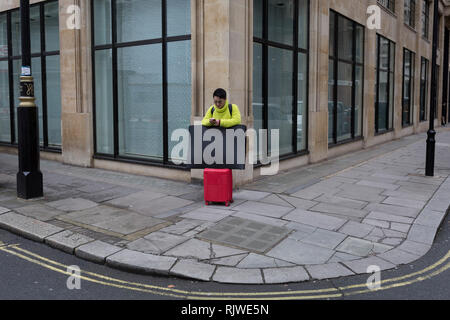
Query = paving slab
x=4 y=210
x=356 y=229
x=285 y=275
x=406 y=195
x=342 y=202
x=300 y=253
x=304 y=228
x=383 y=216
x=129 y=224
x=405 y=202
x=254 y=261
x=381 y=185
x=202 y=250
x=109 y=194
x=398 y=257
x=298 y=202
x=276 y=200
x=230 y=261
x=359 y=192
x=261 y=219
x=156 y=242
x=315 y=219
x=328 y=271
x=39 y=211
x=67 y=241
x=182 y=226
x=361 y=266
x=29 y=228
x=418 y=186
x=324 y=238
x=264 y=209
x=193 y=248
x=207 y=214
x=96 y=251
x=140 y=262
x=438 y=205
x=158 y=206
x=241 y=276
x=416 y=248
x=356 y=246
x=136 y=199
x=394 y=233
x=392 y=241
x=193 y=269
x=376 y=223
x=339 y=210
x=72 y=204
x=402 y=227
x=341 y=256
x=250 y=195
x=393 y=210
x=311 y=193
x=430 y=218
x=422 y=234
x=96 y=214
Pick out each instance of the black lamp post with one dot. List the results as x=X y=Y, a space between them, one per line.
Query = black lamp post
x=431 y=140
x=29 y=177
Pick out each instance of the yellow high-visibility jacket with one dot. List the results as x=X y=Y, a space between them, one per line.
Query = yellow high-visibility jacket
x=226 y=119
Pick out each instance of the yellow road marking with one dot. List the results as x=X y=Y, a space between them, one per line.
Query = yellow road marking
x=406 y=283
x=175 y=293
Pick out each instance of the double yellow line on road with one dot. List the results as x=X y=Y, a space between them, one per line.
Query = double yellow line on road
x=431 y=271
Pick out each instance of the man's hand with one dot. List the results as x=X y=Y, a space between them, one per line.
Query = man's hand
x=214 y=122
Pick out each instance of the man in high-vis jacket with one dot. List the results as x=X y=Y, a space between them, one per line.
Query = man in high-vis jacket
x=222 y=113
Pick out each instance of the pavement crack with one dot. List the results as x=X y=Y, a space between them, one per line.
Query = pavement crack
x=212 y=254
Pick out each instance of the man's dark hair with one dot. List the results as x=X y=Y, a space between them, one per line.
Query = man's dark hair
x=222 y=94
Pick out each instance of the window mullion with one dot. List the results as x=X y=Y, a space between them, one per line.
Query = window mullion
x=295 y=79
x=115 y=80
x=44 y=77
x=165 y=84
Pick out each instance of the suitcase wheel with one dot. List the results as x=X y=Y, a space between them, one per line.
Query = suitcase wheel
x=227 y=204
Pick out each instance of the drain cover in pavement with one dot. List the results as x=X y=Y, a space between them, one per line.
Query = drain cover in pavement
x=245 y=234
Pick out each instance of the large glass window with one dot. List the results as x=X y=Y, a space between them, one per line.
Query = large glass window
x=142 y=59
x=384 y=89
x=280 y=71
x=389 y=4
x=423 y=88
x=408 y=87
x=425 y=18
x=346 y=79
x=45 y=64
x=410 y=13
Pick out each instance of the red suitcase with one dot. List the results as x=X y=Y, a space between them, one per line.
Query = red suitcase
x=218 y=186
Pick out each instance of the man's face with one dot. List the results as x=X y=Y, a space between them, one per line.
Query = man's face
x=220 y=103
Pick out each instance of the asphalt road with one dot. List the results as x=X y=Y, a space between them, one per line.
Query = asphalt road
x=35 y=271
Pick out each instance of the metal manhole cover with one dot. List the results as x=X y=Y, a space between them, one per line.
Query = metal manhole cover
x=245 y=234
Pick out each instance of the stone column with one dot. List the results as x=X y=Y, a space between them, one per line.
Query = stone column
x=318 y=79
x=221 y=53
x=76 y=88
x=370 y=76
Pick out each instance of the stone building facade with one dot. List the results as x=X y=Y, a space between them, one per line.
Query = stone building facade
x=115 y=78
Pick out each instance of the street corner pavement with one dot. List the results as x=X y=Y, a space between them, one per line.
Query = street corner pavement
x=382 y=211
